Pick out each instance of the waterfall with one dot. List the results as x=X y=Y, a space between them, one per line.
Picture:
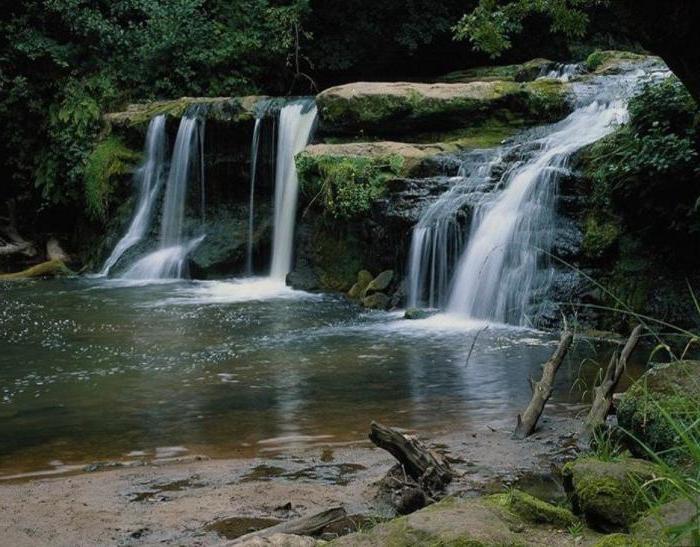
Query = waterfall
x=438 y=237
x=251 y=213
x=504 y=262
x=148 y=179
x=168 y=261
x=296 y=122
x=564 y=72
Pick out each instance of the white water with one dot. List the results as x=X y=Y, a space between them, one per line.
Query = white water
x=168 y=261
x=296 y=122
x=438 y=238
x=149 y=178
x=251 y=213
x=503 y=264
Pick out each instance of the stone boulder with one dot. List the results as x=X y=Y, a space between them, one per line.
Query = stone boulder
x=364 y=278
x=607 y=492
x=379 y=283
x=666 y=390
x=376 y=301
x=399 y=107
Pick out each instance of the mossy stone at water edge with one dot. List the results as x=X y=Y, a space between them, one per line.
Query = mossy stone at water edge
x=52 y=268
x=606 y=492
x=376 y=301
x=672 y=388
x=416 y=313
x=484 y=521
x=364 y=278
x=535 y=510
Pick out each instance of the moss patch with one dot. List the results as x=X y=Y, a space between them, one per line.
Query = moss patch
x=346 y=186
x=535 y=510
x=599 y=236
x=673 y=389
x=602 y=61
x=52 y=268
x=109 y=160
x=607 y=492
x=515 y=73
x=337 y=258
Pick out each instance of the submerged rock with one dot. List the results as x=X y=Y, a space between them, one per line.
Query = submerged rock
x=376 y=301
x=672 y=389
x=607 y=492
x=416 y=313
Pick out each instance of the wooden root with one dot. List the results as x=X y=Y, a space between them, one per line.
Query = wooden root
x=425 y=466
x=305 y=526
x=603 y=393
x=542 y=390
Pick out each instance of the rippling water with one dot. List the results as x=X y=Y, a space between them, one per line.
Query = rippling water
x=93 y=370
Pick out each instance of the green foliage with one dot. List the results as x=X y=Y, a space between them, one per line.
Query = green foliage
x=109 y=159
x=346 y=186
x=491 y=25
x=647 y=171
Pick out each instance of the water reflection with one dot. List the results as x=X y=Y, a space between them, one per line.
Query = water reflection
x=94 y=370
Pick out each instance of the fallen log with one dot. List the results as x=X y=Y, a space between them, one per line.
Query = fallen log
x=542 y=390
x=603 y=393
x=305 y=526
x=425 y=466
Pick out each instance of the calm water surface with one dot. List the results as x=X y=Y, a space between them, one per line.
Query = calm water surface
x=93 y=370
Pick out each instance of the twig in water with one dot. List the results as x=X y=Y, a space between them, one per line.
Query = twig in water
x=471 y=349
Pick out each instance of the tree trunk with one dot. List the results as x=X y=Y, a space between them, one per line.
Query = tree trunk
x=428 y=468
x=542 y=390
x=604 y=392
x=305 y=526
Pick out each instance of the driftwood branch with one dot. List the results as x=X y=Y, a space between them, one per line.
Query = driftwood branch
x=305 y=526
x=603 y=394
x=542 y=390
x=425 y=466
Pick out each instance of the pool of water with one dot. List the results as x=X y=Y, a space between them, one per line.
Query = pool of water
x=93 y=370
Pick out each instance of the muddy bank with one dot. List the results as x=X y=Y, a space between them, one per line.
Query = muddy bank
x=198 y=501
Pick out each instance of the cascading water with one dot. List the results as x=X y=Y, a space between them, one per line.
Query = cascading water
x=296 y=123
x=513 y=213
x=251 y=213
x=438 y=237
x=149 y=178
x=168 y=261
x=511 y=235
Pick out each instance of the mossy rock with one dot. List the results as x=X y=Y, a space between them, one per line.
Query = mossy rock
x=380 y=283
x=669 y=524
x=51 y=268
x=475 y=522
x=400 y=107
x=611 y=61
x=619 y=540
x=524 y=72
x=416 y=313
x=364 y=278
x=535 y=510
x=336 y=259
x=672 y=389
x=607 y=492
x=223 y=109
x=599 y=236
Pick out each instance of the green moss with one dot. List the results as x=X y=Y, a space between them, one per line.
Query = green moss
x=607 y=492
x=603 y=60
x=52 y=268
x=535 y=510
x=547 y=99
x=346 y=186
x=673 y=389
x=619 y=540
x=487 y=135
x=108 y=160
x=599 y=236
